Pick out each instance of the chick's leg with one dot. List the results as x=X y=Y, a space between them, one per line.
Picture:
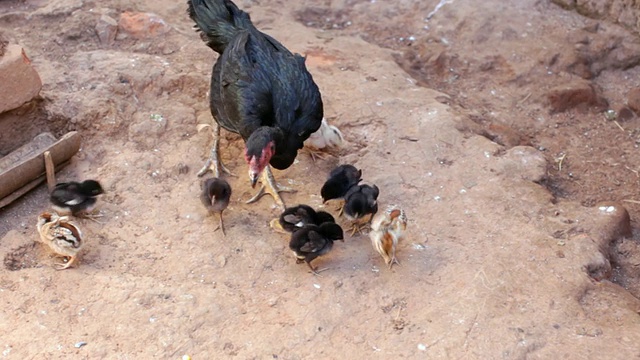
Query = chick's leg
x=222 y=224
x=62 y=266
x=270 y=187
x=316 y=271
x=275 y=225
x=316 y=154
x=214 y=163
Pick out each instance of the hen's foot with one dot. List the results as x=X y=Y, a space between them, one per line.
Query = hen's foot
x=270 y=187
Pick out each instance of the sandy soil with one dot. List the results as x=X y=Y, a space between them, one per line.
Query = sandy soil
x=507 y=254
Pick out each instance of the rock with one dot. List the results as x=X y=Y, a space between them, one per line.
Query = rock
x=3 y=45
x=575 y=93
x=20 y=81
x=625 y=114
x=614 y=221
x=633 y=100
x=503 y=135
x=106 y=29
x=524 y=161
x=567 y=4
x=142 y=25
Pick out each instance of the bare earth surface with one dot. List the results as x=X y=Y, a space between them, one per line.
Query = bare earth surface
x=518 y=246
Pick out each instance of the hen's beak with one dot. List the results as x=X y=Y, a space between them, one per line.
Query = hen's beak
x=254 y=178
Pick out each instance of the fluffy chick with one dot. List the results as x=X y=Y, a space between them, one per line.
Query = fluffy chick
x=215 y=196
x=76 y=198
x=61 y=235
x=386 y=230
x=327 y=136
x=296 y=217
x=361 y=201
x=312 y=241
x=340 y=180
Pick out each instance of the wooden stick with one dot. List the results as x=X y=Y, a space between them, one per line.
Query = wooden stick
x=50 y=170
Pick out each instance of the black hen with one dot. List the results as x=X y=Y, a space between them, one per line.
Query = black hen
x=215 y=196
x=75 y=198
x=340 y=180
x=312 y=241
x=360 y=201
x=294 y=218
x=259 y=90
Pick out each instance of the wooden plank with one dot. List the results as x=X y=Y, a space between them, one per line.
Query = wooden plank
x=33 y=166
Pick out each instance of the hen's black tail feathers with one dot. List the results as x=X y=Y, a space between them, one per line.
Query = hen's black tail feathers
x=218 y=21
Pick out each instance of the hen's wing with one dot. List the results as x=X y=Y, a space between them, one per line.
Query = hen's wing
x=241 y=91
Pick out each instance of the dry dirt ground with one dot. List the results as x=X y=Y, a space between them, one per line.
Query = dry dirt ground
x=510 y=252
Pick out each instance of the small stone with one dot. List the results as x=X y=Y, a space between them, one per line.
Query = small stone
x=106 y=29
x=142 y=25
x=80 y=344
x=20 y=81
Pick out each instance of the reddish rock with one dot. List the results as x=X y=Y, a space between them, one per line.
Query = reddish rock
x=142 y=25
x=633 y=100
x=3 y=45
x=106 y=29
x=20 y=81
x=575 y=93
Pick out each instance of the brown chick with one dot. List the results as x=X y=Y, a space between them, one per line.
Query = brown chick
x=386 y=230
x=215 y=196
x=61 y=235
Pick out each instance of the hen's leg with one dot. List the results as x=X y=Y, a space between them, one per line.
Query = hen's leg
x=214 y=163
x=270 y=187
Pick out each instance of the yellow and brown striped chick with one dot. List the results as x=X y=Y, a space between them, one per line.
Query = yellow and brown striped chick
x=387 y=229
x=61 y=235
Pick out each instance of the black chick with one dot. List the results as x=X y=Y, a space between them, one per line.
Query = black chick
x=215 y=196
x=294 y=218
x=259 y=89
x=340 y=180
x=360 y=201
x=76 y=198
x=312 y=241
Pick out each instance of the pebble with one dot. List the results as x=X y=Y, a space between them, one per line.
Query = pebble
x=106 y=29
x=80 y=344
